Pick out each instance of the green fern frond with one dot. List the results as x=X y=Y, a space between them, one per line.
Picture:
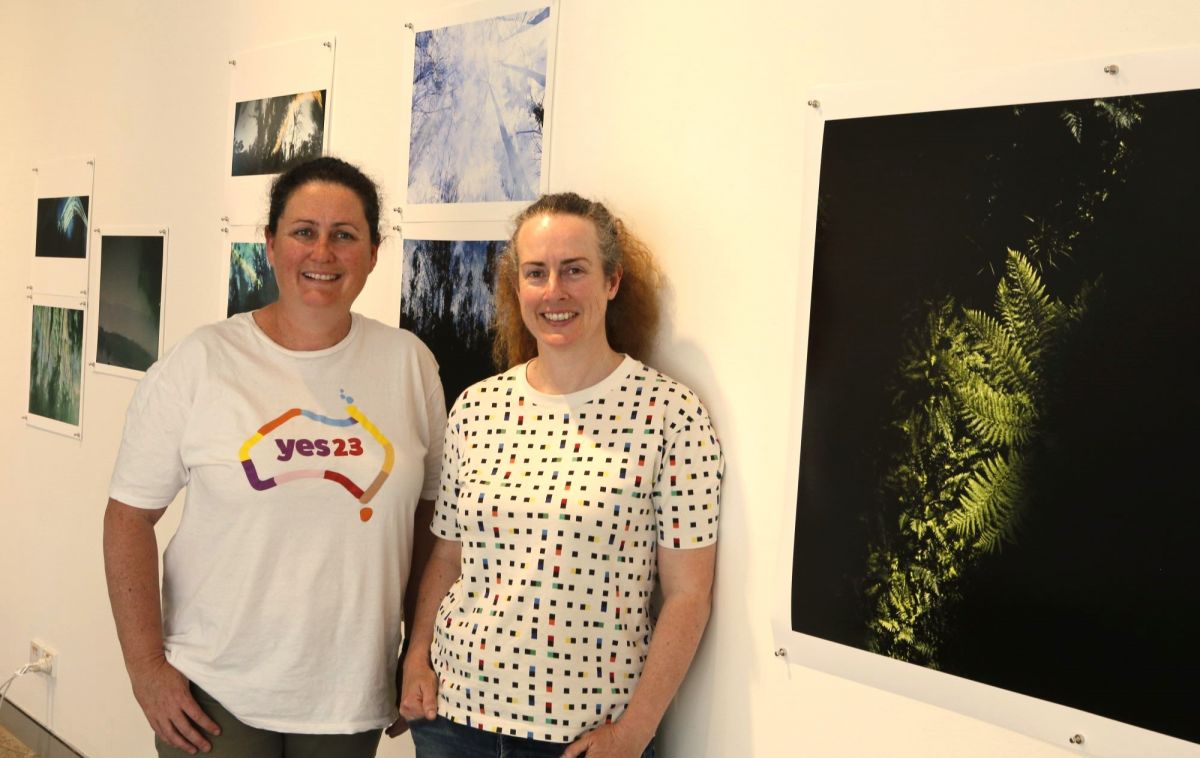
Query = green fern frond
x=990 y=501
x=1031 y=315
x=998 y=417
x=1005 y=356
x=1074 y=125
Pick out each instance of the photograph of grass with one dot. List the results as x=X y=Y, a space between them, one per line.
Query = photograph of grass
x=56 y=363
x=251 y=280
x=129 y=323
x=62 y=227
x=275 y=133
x=477 y=112
x=995 y=479
x=446 y=300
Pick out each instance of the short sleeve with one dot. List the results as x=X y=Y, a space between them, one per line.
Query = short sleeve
x=687 y=492
x=149 y=471
x=445 y=512
x=435 y=411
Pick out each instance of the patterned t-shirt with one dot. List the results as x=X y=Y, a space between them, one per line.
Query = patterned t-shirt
x=560 y=503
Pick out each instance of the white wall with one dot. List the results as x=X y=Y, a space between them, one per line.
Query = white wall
x=686 y=116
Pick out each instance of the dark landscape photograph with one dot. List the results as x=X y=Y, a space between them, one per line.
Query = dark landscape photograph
x=131 y=272
x=996 y=477
x=62 y=227
x=446 y=300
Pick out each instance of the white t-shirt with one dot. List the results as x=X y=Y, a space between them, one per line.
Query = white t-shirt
x=560 y=503
x=283 y=586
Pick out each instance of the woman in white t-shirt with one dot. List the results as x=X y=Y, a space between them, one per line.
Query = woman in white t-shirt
x=309 y=440
x=569 y=484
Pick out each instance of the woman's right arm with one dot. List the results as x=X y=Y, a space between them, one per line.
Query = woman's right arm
x=131 y=568
x=418 y=698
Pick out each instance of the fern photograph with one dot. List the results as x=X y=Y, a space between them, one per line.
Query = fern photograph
x=995 y=478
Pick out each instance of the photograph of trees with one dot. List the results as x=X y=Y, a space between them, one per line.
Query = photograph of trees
x=62 y=227
x=995 y=472
x=56 y=363
x=251 y=278
x=446 y=300
x=477 y=111
x=275 y=133
x=130 y=314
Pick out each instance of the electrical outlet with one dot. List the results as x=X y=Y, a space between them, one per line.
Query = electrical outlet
x=39 y=650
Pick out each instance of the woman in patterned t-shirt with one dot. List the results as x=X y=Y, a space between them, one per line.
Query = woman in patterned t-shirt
x=569 y=483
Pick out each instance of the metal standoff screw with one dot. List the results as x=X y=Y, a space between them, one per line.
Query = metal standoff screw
x=398 y=209
x=814 y=103
x=162 y=231
x=396 y=228
x=781 y=652
x=1076 y=739
x=409 y=26
x=225 y=219
x=225 y=229
x=1111 y=69
x=328 y=44
x=35 y=169
x=91 y=163
x=232 y=62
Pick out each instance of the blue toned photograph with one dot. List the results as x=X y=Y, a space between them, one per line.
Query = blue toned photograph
x=446 y=300
x=251 y=279
x=131 y=270
x=62 y=227
x=275 y=133
x=477 y=111
x=56 y=363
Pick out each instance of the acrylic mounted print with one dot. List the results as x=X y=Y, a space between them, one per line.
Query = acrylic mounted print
x=62 y=227
x=251 y=278
x=129 y=318
x=992 y=488
x=62 y=215
x=274 y=134
x=56 y=365
x=279 y=114
x=480 y=99
x=446 y=300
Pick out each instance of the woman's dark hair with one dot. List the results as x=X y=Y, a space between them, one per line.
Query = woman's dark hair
x=332 y=171
x=631 y=319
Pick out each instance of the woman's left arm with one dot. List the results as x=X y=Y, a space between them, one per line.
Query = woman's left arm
x=687 y=579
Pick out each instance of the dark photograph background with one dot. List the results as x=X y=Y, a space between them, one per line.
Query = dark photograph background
x=998 y=444
x=446 y=300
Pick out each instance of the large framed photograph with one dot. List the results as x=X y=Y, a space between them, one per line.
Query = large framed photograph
x=55 y=400
x=62 y=219
x=994 y=503
x=129 y=317
x=447 y=296
x=477 y=131
x=279 y=115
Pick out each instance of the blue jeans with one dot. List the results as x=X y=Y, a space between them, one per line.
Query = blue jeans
x=442 y=738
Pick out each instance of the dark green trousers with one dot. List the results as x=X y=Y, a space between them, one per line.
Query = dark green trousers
x=240 y=741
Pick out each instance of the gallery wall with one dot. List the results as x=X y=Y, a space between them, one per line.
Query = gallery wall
x=685 y=117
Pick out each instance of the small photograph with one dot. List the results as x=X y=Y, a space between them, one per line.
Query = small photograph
x=56 y=363
x=273 y=134
x=251 y=279
x=62 y=227
x=129 y=323
x=446 y=300
x=478 y=104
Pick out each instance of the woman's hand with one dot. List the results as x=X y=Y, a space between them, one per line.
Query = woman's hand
x=418 y=696
x=608 y=741
x=173 y=713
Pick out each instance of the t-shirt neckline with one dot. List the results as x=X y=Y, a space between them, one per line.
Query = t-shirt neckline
x=265 y=339
x=580 y=397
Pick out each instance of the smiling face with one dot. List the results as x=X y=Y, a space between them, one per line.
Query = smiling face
x=321 y=249
x=561 y=283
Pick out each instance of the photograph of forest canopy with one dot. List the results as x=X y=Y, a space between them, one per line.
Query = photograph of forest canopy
x=995 y=479
x=478 y=97
x=251 y=279
x=62 y=227
x=131 y=270
x=56 y=363
x=275 y=133
x=446 y=300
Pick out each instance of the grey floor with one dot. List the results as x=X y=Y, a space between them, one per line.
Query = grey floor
x=41 y=742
